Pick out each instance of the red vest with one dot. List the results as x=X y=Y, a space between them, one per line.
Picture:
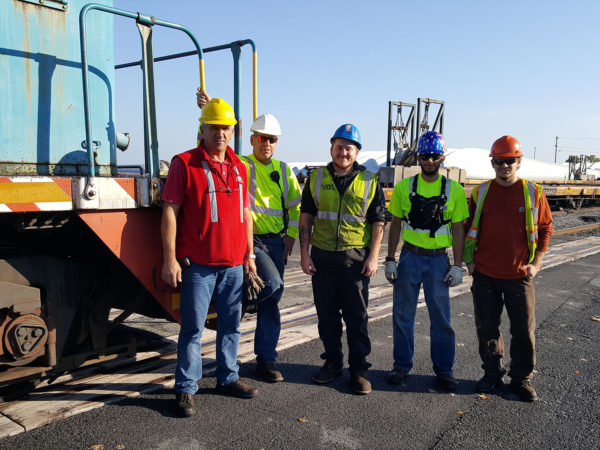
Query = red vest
x=210 y=226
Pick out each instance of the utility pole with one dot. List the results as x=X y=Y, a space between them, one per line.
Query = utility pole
x=555 y=149
x=534 y=153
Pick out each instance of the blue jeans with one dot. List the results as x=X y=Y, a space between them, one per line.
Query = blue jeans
x=270 y=266
x=200 y=284
x=414 y=270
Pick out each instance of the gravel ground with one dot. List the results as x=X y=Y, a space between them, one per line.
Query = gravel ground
x=578 y=219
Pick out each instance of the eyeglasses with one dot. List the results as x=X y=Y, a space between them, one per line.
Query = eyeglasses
x=427 y=156
x=263 y=139
x=507 y=161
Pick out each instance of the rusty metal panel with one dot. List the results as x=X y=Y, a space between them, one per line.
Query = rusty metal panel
x=42 y=122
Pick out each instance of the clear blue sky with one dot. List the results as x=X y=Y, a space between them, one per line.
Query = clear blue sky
x=526 y=68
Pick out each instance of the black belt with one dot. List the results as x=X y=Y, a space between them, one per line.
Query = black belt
x=424 y=251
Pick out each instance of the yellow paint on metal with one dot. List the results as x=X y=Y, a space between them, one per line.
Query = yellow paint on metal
x=201 y=68
x=37 y=192
x=175 y=301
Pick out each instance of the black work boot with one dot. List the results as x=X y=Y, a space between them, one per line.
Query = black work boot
x=524 y=390
x=359 y=384
x=446 y=381
x=396 y=376
x=184 y=404
x=328 y=372
x=268 y=372
x=489 y=383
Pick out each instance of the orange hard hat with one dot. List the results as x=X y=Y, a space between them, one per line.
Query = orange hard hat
x=506 y=147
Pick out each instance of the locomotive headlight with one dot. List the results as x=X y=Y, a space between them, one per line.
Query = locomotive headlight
x=123 y=141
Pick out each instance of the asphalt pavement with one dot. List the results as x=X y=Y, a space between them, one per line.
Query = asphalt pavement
x=299 y=414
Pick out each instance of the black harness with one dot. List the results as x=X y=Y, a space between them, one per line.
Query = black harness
x=427 y=213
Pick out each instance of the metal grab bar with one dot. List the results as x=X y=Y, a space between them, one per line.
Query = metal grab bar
x=235 y=48
x=151 y=147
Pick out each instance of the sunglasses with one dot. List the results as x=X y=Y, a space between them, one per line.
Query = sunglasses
x=428 y=156
x=263 y=139
x=507 y=161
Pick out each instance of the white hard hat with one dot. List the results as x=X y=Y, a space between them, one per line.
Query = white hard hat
x=266 y=124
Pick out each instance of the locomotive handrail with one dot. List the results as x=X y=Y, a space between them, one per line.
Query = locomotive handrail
x=235 y=48
x=143 y=21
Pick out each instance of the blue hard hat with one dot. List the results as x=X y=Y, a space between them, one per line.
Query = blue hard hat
x=348 y=131
x=431 y=142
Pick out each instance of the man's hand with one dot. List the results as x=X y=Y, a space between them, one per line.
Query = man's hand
x=202 y=98
x=288 y=246
x=250 y=266
x=454 y=276
x=308 y=266
x=532 y=270
x=370 y=266
x=171 y=272
x=391 y=271
x=470 y=268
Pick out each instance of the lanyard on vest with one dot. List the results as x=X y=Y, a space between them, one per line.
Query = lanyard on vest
x=212 y=192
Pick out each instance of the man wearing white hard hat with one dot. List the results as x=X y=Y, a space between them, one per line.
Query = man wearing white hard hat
x=275 y=208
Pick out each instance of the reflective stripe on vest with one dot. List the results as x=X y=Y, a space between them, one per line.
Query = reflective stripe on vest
x=444 y=230
x=340 y=223
x=212 y=192
x=275 y=212
x=532 y=194
x=347 y=217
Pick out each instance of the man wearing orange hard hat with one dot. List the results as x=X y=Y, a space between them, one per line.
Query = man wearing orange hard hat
x=507 y=237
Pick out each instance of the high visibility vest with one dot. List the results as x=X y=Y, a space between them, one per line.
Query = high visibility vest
x=532 y=193
x=269 y=198
x=410 y=234
x=341 y=223
x=211 y=229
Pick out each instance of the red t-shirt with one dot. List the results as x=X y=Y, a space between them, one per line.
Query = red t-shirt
x=502 y=249
x=174 y=190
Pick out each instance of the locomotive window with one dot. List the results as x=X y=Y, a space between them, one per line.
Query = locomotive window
x=56 y=4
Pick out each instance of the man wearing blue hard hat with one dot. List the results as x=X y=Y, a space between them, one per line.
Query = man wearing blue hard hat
x=342 y=216
x=428 y=210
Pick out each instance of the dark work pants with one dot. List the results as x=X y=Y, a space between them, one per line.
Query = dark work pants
x=490 y=295
x=343 y=295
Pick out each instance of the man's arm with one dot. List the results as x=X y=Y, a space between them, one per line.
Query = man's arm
x=306 y=224
x=370 y=266
x=458 y=242
x=171 y=270
x=394 y=236
x=249 y=263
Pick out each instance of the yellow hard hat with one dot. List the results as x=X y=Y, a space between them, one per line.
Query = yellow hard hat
x=218 y=112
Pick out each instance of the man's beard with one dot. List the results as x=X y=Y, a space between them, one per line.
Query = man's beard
x=430 y=172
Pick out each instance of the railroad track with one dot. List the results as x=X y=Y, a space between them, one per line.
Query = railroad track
x=149 y=371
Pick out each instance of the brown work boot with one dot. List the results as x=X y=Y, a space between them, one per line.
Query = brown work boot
x=489 y=383
x=184 y=404
x=327 y=373
x=239 y=388
x=359 y=384
x=524 y=390
x=268 y=372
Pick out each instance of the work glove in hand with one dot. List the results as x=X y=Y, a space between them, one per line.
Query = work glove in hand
x=454 y=276
x=253 y=284
x=391 y=268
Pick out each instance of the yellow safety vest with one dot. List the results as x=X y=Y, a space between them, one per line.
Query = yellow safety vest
x=532 y=193
x=266 y=196
x=341 y=223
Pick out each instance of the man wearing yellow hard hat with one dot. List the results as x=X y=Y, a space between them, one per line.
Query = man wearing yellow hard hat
x=275 y=207
x=206 y=233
